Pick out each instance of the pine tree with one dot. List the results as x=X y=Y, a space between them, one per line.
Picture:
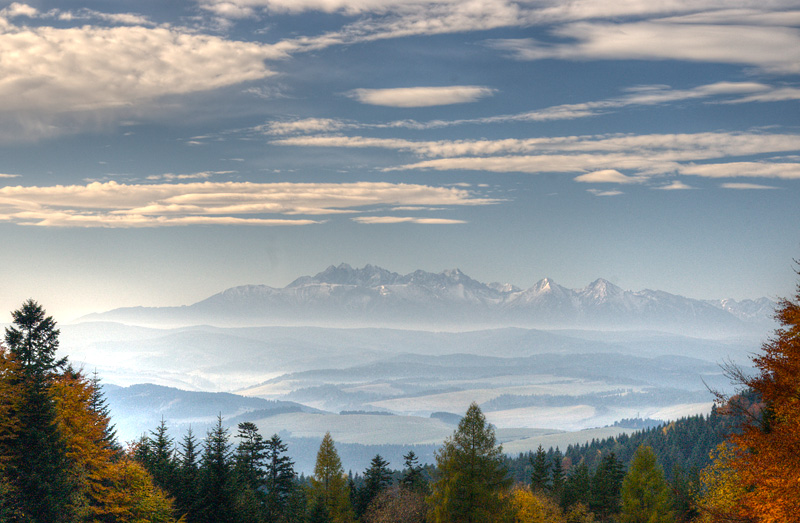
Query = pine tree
x=329 y=483
x=645 y=493
x=540 y=476
x=38 y=469
x=471 y=475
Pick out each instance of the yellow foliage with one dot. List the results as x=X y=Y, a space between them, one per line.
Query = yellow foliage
x=720 y=497
x=528 y=507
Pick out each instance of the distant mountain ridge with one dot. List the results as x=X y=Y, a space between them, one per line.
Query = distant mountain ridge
x=372 y=296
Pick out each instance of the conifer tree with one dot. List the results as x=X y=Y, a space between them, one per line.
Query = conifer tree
x=99 y=405
x=577 y=487
x=186 y=491
x=160 y=462
x=540 y=476
x=412 y=478
x=279 y=480
x=215 y=504
x=38 y=468
x=329 y=483
x=471 y=475
x=606 y=486
x=557 y=483
x=377 y=478
x=645 y=493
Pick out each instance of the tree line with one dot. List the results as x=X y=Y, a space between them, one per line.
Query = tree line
x=60 y=460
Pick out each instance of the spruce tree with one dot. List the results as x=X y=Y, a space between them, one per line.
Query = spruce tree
x=606 y=486
x=215 y=504
x=39 y=470
x=377 y=478
x=186 y=493
x=540 y=476
x=279 y=480
x=471 y=474
x=412 y=478
x=558 y=479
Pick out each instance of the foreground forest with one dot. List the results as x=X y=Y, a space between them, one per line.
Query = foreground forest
x=60 y=459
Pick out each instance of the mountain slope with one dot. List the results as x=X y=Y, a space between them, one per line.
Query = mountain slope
x=343 y=296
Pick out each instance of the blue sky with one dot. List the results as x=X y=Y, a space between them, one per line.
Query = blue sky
x=155 y=153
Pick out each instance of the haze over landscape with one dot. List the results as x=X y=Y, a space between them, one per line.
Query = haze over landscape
x=568 y=213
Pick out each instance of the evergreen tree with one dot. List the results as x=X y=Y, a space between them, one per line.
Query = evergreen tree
x=279 y=480
x=412 y=478
x=377 y=478
x=160 y=461
x=606 y=486
x=186 y=491
x=216 y=478
x=578 y=486
x=540 y=476
x=557 y=484
x=329 y=483
x=99 y=405
x=645 y=493
x=471 y=474
x=38 y=468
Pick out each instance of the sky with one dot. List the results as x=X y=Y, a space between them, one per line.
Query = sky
x=155 y=153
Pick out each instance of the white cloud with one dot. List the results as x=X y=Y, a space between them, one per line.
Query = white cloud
x=16 y=9
x=204 y=175
x=2 y=175
x=112 y=204
x=746 y=186
x=405 y=219
x=598 y=192
x=676 y=185
x=782 y=170
x=780 y=94
x=52 y=77
x=421 y=96
x=606 y=176
x=306 y=125
x=774 y=49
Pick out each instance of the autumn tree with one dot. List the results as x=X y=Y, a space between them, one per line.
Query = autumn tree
x=472 y=478
x=397 y=505
x=645 y=493
x=534 y=506
x=766 y=453
x=329 y=483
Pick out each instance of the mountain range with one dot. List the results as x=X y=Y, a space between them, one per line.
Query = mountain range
x=343 y=296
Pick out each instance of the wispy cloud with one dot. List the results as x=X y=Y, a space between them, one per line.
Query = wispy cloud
x=3 y=175
x=773 y=49
x=598 y=192
x=405 y=219
x=746 y=186
x=781 y=170
x=421 y=96
x=112 y=204
x=607 y=176
x=676 y=185
x=169 y=177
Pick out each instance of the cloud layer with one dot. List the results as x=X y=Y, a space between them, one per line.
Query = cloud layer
x=112 y=204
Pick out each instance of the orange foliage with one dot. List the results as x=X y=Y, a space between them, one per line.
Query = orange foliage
x=766 y=455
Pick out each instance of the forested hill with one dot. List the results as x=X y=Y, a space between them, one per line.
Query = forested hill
x=684 y=444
